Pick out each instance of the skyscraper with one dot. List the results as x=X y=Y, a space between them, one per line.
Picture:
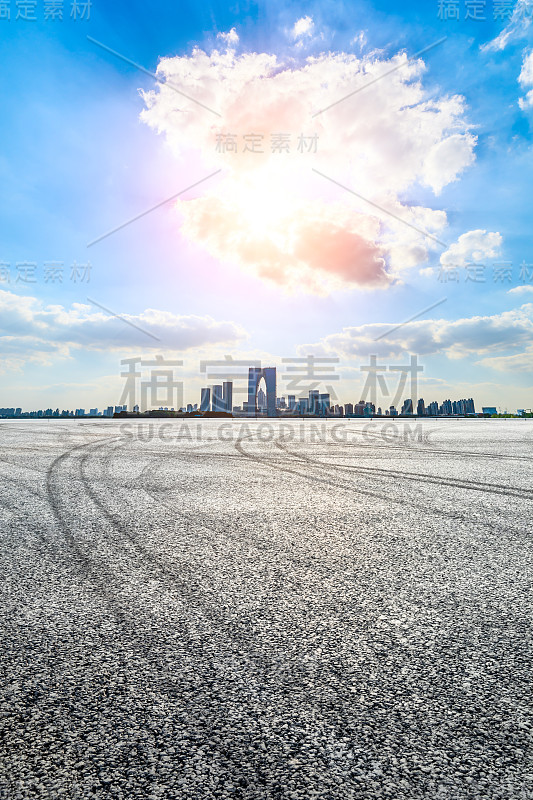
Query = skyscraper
x=254 y=377
x=227 y=395
x=369 y=409
x=218 y=399
x=261 y=400
x=205 y=401
x=446 y=408
x=324 y=404
x=407 y=407
x=303 y=405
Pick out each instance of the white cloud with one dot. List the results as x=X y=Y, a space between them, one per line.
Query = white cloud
x=460 y=338
x=382 y=142
x=316 y=246
x=527 y=289
x=360 y=40
x=29 y=328
x=526 y=75
x=447 y=159
x=302 y=27
x=516 y=28
x=474 y=246
x=526 y=79
x=230 y=38
x=518 y=362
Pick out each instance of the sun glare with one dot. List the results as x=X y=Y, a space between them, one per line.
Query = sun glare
x=263 y=201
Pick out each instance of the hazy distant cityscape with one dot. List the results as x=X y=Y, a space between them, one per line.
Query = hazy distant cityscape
x=218 y=399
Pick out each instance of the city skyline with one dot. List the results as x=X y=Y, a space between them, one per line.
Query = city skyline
x=296 y=409
x=218 y=394
x=218 y=399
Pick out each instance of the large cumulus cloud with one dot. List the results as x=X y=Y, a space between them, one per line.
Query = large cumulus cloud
x=269 y=211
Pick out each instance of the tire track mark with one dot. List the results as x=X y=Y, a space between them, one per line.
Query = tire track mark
x=457 y=483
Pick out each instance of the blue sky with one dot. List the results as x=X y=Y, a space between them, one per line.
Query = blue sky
x=77 y=160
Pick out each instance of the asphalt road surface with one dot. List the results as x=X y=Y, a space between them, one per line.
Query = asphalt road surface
x=223 y=610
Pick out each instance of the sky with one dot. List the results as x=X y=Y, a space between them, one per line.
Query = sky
x=266 y=181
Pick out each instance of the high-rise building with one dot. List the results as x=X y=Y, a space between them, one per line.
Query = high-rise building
x=227 y=395
x=303 y=405
x=314 y=396
x=218 y=399
x=291 y=402
x=446 y=408
x=255 y=374
x=205 y=401
x=407 y=407
x=261 y=400
x=324 y=404
x=420 y=408
x=348 y=409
